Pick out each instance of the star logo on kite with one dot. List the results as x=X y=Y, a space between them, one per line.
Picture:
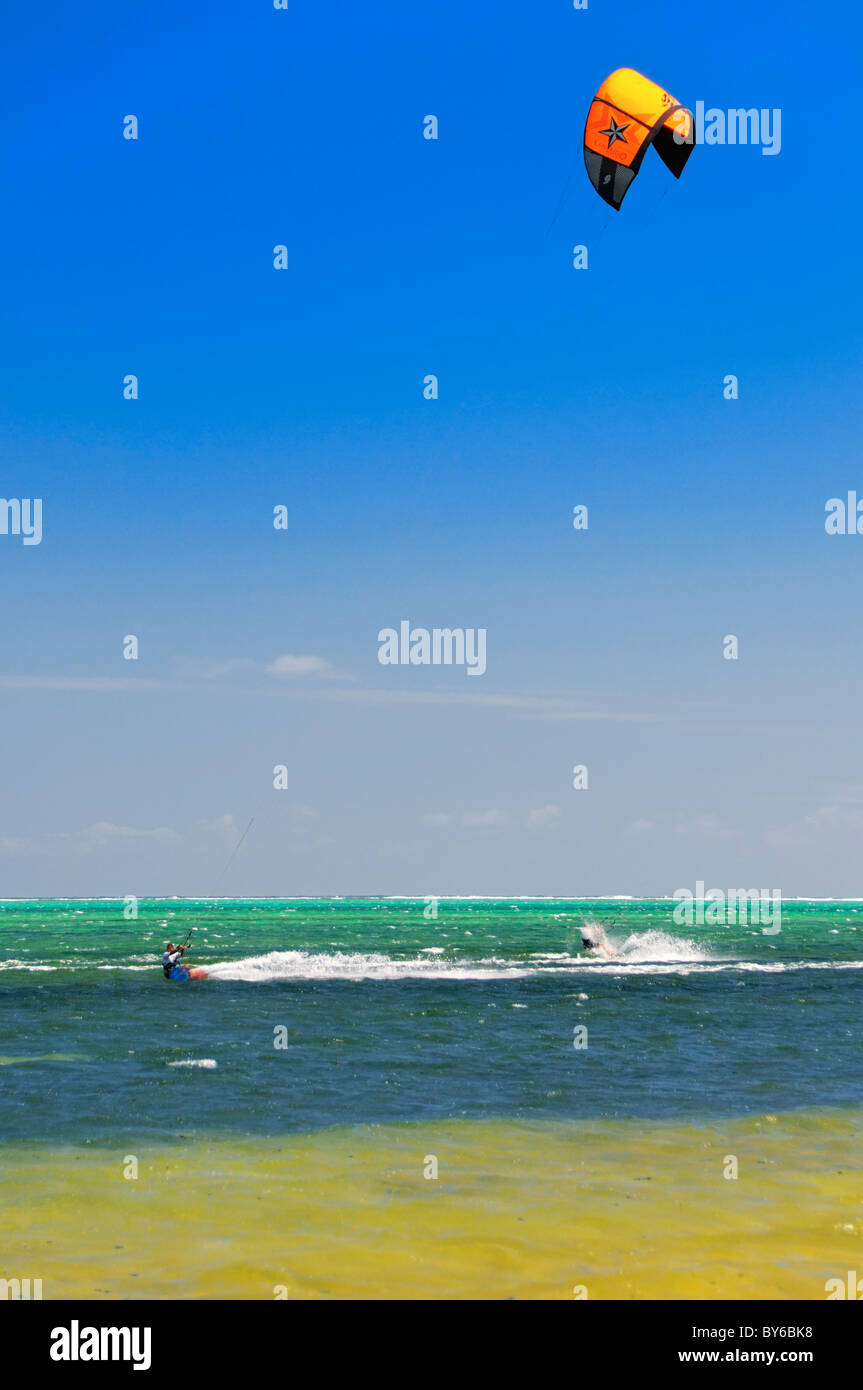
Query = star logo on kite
x=615 y=132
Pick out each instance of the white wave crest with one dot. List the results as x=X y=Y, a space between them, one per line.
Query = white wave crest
x=341 y=965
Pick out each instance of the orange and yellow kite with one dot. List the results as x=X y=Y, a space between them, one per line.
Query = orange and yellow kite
x=629 y=114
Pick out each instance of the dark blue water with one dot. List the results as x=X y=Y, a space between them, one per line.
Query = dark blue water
x=388 y=1033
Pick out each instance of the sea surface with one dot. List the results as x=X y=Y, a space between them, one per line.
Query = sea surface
x=390 y=1015
x=439 y=1123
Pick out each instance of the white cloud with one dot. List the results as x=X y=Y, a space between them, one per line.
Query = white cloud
x=709 y=826
x=478 y=820
x=533 y=706
x=100 y=835
x=542 y=816
x=833 y=819
x=289 y=666
x=493 y=818
x=186 y=675
x=224 y=829
x=217 y=669
x=98 y=683
x=16 y=844
x=103 y=834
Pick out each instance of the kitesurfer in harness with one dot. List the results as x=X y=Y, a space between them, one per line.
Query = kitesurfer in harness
x=172 y=962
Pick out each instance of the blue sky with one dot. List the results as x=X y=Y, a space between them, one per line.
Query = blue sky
x=410 y=257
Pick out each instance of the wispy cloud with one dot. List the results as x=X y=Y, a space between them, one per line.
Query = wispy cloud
x=217 y=670
x=288 y=667
x=543 y=816
x=708 y=826
x=104 y=834
x=833 y=820
x=101 y=835
x=91 y=683
x=14 y=845
x=188 y=675
x=207 y=836
x=291 y=675
x=538 y=706
x=852 y=794
x=540 y=818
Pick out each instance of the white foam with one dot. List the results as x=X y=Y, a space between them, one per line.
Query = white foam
x=637 y=956
x=23 y=965
x=341 y=965
x=658 y=946
x=208 y=1063
x=644 y=953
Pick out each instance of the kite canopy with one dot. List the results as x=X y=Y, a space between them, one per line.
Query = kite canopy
x=629 y=114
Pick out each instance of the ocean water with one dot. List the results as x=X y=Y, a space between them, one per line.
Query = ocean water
x=392 y=1017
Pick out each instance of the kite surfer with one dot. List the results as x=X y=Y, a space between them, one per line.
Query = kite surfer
x=173 y=967
x=593 y=938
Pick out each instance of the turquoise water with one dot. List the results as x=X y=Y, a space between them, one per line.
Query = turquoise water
x=393 y=1016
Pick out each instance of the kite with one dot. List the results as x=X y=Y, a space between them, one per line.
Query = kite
x=629 y=114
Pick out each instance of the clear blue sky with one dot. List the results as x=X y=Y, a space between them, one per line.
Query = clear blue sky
x=410 y=257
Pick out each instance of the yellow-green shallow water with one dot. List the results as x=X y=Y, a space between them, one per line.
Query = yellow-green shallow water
x=630 y=1210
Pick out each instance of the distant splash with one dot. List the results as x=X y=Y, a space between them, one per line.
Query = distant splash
x=653 y=946
x=206 y=1063
x=659 y=946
